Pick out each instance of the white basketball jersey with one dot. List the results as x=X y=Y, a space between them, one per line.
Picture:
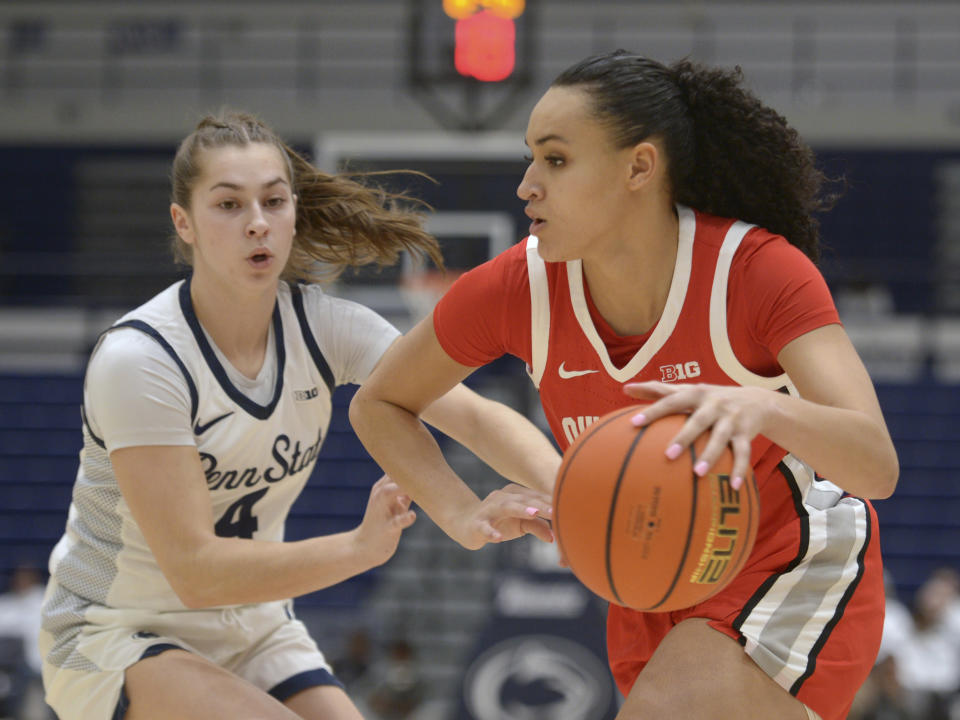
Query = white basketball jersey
x=256 y=457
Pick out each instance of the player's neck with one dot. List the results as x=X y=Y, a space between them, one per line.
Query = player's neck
x=237 y=322
x=629 y=284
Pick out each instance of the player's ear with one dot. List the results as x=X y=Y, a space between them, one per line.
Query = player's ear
x=644 y=163
x=181 y=223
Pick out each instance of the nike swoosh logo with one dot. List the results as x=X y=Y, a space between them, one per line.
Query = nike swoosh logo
x=567 y=374
x=199 y=429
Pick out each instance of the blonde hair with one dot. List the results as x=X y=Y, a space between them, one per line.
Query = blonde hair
x=341 y=221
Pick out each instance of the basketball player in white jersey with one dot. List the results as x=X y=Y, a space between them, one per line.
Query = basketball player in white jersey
x=670 y=259
x=204 y=412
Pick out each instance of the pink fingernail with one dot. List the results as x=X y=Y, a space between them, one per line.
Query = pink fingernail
x=638 y=419
x=701 y=468
x=673 y=452
x=736 y=481
x=531 y=511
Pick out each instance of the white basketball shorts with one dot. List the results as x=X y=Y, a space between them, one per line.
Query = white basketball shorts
x=83 y=669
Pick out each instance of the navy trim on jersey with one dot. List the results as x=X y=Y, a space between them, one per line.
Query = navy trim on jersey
x=841 y=606
x=804 y=545
x=123 y=702
x=303 y=681
x=86 y=423
x=149 y=330
x=318 y=359
x=261 y=412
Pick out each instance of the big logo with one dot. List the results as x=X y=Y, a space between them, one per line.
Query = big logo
x=537 y=677
x=679 y=371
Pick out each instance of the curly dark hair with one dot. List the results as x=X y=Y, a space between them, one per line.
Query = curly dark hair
x=728 y=154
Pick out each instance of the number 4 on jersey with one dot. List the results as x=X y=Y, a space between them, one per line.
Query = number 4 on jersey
x=239 y=520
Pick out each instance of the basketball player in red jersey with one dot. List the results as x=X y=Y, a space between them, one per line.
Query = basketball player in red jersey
x=670 y=259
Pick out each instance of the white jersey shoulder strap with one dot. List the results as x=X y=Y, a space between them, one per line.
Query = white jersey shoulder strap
x=719 y=334
x=539 y=311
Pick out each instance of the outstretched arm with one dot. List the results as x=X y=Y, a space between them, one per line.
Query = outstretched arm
x=167 y=493
x=414 y=375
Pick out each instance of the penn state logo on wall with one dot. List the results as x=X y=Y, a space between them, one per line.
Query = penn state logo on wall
x=537 y=677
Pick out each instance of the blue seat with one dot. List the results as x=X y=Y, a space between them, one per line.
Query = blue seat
x=342 y=445
x=39 y=440
x=25 y=415
x=913 y=510
x=41 y=525
x=300 y=527
x=909 y=573
x=921 y=426
x=54 y=389
x=920 y=541
x=55 y=468
x=27 y=496
x=348 y=594
x=317 y=499
x=929 y=482
x=927 y=454
x=345 y=472
x=19 y=552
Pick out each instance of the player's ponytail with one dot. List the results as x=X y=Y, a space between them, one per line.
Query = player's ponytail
x=341 y=220
x=728 y=154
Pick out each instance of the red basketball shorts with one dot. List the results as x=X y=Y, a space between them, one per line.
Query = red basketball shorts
x=808 y=605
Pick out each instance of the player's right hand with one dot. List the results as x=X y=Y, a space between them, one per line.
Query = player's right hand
x=387 y=515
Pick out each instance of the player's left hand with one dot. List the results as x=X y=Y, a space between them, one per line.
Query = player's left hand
x=732 y=415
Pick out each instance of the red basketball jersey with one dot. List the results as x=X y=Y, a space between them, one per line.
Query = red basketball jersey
x=570 y=364
x=566 y=353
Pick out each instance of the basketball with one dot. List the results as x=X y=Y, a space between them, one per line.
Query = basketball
x=644 y=531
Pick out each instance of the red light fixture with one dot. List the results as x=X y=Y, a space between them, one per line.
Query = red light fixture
x=485 y=37
x=485 y=47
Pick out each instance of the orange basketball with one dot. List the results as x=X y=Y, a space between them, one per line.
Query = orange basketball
x=644 y=531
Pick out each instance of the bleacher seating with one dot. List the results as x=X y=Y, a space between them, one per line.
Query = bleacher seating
x=920 y=524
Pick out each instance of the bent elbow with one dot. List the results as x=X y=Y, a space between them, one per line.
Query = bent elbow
x=192 y=593
x=370 y=411
x=886 y=476
x=358 y=411
x=193 y=602
x=192 y=583
x=888 y=483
